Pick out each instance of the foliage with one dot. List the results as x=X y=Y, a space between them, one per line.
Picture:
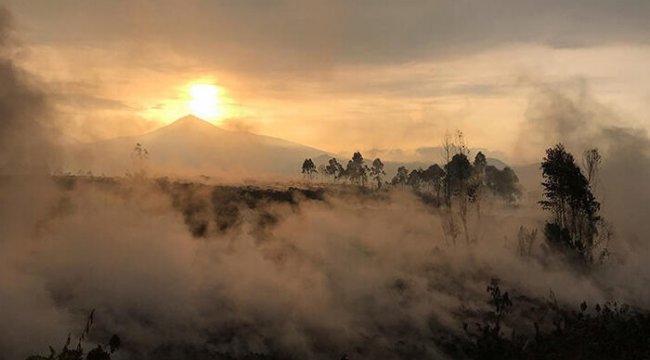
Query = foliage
x=401 y=178
x=503 y=183
x=334 y=169
x=377 y=171
x=434 y=175
x=567 y=195
x=356 y=170
x=610 y=331
x=458 y=178
x=308 y=168
x=414 y=179
x=458 y=172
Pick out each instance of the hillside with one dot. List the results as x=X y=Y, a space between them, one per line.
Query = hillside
x=191 y=146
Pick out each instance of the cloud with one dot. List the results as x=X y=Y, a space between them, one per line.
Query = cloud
x=294 y=36
x=349 y=275
x=27 y=133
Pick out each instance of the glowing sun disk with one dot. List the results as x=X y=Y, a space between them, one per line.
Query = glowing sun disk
x=205 y=101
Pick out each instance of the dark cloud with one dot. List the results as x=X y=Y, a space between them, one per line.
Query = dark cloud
x=292 y=36
x=27 y=135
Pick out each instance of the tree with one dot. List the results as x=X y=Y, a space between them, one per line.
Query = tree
x=377 y=171
x=308 y=168
x=459 y=171
x=434 y=176
x=415 y=179
x=455 y=152
x=480 y=162
x=567 y=195
x=477 y=183
x=334 y=169
x=356 y=170
x=503 y=183
x=401 y=178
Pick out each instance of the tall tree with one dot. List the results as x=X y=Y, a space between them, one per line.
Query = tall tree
x=434 y=176
x=459 y=171
x=308 y=169
x=401 y=177
x=477 y=183
x=377 y=171
x=415 y=179
x=503 y=183
x=356 y=170
x=567 y=195
x=480 y=162
x=334 y=169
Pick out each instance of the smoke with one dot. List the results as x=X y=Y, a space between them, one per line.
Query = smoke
x=578 y=120
x=26 y=128
x=373 y=276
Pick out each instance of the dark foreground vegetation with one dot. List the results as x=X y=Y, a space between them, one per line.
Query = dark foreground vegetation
x=517 y=327
x=513 y=327
x=77 y=352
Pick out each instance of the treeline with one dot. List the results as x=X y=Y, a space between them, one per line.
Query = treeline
x=457 y=177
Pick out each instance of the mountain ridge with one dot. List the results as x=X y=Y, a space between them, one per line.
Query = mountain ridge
x=191 y=146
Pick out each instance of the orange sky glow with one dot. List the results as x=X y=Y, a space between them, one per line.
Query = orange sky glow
x=305 y=83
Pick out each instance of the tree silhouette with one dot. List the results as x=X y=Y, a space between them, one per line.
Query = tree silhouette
x=334 y=169
x=357 y=171
x=574 y=209
x=503 y=183
x=459 y=171
x=477 y=183
x=415 y=179
x=309 y=168
x=401 y=178
x=377 y=171
x=434 y=175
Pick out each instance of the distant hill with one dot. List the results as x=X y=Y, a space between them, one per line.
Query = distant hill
x=191 y=147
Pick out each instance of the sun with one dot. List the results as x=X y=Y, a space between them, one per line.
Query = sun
x=205 y=101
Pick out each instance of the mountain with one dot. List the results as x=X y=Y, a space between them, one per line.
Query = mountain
x=191 y=147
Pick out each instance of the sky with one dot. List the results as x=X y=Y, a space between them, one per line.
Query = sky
x=336 y=75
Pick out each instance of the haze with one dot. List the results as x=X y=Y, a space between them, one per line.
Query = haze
x=329 y=180
x=337 y=76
